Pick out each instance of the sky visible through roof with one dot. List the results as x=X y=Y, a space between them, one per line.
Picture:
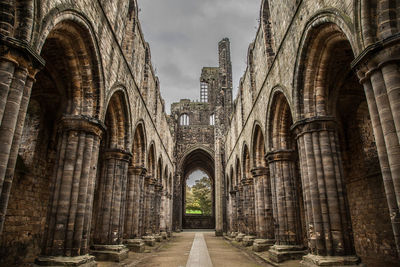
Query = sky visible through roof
x=184 y=35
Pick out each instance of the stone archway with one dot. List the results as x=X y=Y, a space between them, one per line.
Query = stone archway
x=196 y=159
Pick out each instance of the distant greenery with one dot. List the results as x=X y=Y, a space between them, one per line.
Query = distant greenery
x=198 y=197
x=193 y=211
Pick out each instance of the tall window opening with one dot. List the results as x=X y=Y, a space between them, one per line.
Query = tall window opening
x=203 y=92
x=212 y=119
x=198 y=194
x=184 y=120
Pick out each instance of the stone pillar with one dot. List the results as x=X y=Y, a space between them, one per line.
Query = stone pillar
x=378 y=70
x=142 y=203
x=240 y=215
x=263 y=207
x=285 y=206
x=233 y=212
x=109 y=229
x=163 y=211
x=18 y=67
x=146 y=206
x=148 y=219
x=158 y=191
x=66 y=238
x=329 y=234
x=132 y=231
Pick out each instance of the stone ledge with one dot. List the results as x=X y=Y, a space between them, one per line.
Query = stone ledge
x=81 y=261
x=115 y=253
x=136 y=245
x=314 y=260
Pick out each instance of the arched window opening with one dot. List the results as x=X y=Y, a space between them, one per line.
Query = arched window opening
x=212 y=119
x=203 y=92
x=198 y=198
x=184 y=120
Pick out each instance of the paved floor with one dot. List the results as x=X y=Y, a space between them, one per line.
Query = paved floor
x=197 y=249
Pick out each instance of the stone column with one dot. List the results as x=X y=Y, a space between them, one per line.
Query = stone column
x=263 y=207
x=240 y=213
x=233 y=213
x=285 y=206
x=142 y=203
x=158 y=191
x=66 y=238
x=18 y=67
x=133 y=208
x=249 y=212
x=149 y=209
x=378 y=70
x=109 y=229
x=324 y=193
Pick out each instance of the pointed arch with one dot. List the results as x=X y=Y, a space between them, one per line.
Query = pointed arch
x=258 y=146
x=70 y=33
x=117 y=121
x=151 y=160
x=139 y=145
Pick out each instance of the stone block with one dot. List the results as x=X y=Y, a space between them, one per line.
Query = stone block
x=239 y=237
x=314 y=260
x=260 y=245
x=248 y=240
x=158 y=238
x=279 y=253
x=135 y=245
x=81 y=261
x=115 y=253
x=149 y=240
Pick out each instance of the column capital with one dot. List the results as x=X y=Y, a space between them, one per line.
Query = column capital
x=138 y=170
x=259 y=171
x=21 y=53
x=82 y=123
x=376 y=55
x=150 y=180
x=159 y=187
x=118 y=154
x=281 y=155
x=233 y=191
x=314 y=124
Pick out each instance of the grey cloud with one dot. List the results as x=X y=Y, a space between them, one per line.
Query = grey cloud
x=183 y=37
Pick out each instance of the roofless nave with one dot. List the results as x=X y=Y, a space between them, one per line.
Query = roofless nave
x=304 y=163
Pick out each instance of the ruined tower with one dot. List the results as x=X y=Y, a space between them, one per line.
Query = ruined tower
x=198 y=129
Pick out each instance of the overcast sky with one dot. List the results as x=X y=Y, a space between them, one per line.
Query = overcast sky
x=184 y=35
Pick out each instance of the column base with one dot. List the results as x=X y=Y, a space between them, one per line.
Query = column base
x=239 y=237
x=158 y=238
x=164 y=235
x=115 y=253
x=149 y=240
x=233 y=234
x=81 y=261
x=135 y=245
x=311 y=260
x=248 y=240
x=260 y=245
x=219 y=233
x=281 y=253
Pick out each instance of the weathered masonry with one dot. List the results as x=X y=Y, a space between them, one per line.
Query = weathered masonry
x=86 y=155
x=198 y=129
x=313 y=149
x=305 y=162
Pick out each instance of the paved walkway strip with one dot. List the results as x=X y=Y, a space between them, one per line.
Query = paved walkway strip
x=199 y=256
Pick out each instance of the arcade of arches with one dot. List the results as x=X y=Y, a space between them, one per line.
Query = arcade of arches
x=304 y=163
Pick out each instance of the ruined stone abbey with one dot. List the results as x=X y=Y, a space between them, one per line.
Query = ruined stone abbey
x=304 y=161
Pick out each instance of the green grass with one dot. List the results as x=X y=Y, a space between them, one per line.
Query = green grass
x=193 y=212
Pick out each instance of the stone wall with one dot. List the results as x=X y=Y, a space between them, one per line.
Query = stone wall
x=280 y=49
x=122 y=63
